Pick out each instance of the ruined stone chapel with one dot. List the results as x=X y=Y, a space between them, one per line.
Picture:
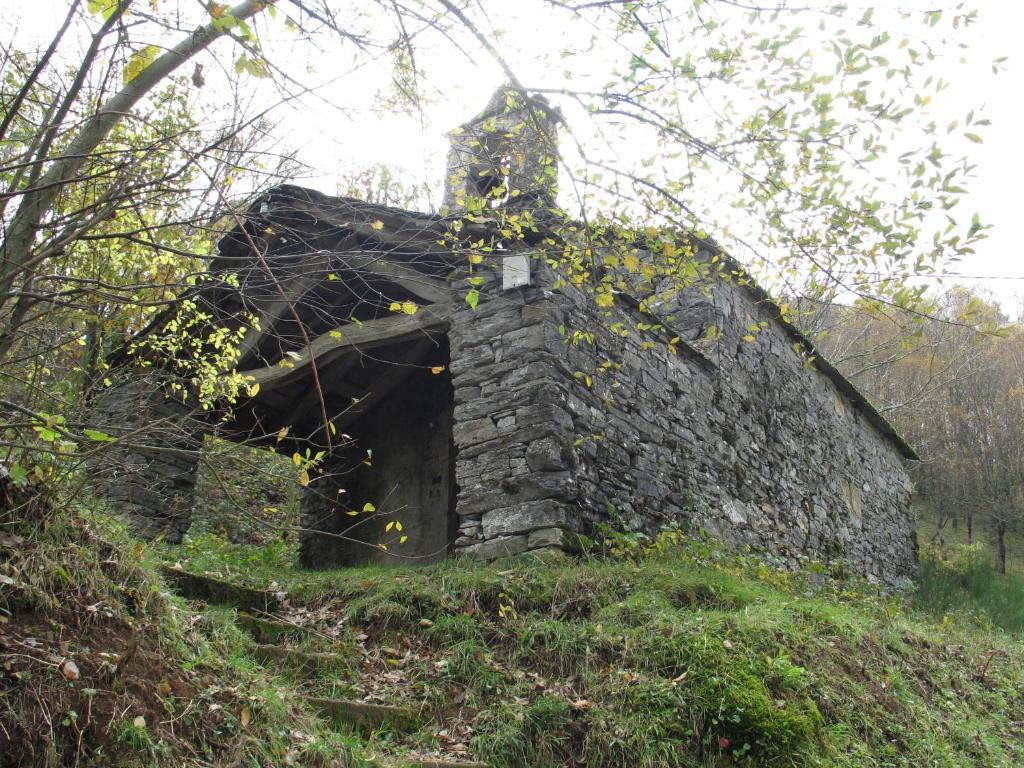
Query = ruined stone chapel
x=458 y=383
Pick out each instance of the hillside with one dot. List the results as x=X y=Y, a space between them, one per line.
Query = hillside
x=667 y=655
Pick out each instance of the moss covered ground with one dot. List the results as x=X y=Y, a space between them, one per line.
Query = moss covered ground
x=672 y=655
x=101 y=666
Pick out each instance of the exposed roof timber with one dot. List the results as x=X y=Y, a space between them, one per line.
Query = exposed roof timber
x=329 y=379
x=293 y=291
x=355 y=337
x=370 y=265
x=390 y=228
x=391 y=377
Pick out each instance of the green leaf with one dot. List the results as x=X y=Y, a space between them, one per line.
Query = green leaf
x=18 y=474
x=251 y=67
x=46 y=434
x=139 y=61
x=473 y=298
x=105 y=8
x=973 y=137
x=223 y=21
x=95 y=434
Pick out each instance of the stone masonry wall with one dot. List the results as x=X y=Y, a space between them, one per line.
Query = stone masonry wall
x=743 y=440
x=149 y=474
x=515 y=467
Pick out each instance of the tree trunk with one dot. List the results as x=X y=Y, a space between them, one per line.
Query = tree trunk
x=970 y=527
x=17 y=254
x=1001 y=547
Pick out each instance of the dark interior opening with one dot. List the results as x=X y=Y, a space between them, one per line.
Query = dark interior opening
x=396 y=482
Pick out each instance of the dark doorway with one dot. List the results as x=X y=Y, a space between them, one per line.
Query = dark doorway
x=390 y=498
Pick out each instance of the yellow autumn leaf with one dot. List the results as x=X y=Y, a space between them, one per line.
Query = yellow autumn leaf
x=389 y=526
x=138 y=62
x=403 y=540
x=378 y=224
x=368 y=507
x=409 y=307
x=604 y=300
x=398 y=526
x=631 y=262
x=304 y=478
x=437 y=369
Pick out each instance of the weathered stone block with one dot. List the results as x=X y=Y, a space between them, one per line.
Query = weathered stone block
x=523 y=518
x=499 y=547
x=546 y=455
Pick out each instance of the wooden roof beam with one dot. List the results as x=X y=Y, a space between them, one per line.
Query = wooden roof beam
x=270 y=313
x=428 y=320
x=431 y=289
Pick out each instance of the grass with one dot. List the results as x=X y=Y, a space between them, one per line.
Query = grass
x=954 y=538
x=682 y=655
x=154 y=684
x=679 y=654
x=952 y=579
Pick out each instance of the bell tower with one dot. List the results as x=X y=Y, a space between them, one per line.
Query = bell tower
x=505 y=157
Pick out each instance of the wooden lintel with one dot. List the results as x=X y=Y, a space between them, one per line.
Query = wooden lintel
x=352 y=337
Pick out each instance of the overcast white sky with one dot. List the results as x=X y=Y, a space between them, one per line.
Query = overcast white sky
x=331 y=142
x=996 y=193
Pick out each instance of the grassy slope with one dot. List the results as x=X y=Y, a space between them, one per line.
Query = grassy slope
x=152 y=683
x=687 y=657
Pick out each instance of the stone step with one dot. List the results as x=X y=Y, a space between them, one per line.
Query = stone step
x=196 y=586
x=268 y=630
x=305 y=661
x=362 y=715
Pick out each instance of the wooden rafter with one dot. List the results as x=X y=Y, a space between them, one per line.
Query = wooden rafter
x=392 y=376
x=270 y=312
x=432 y=289
x=329 y=379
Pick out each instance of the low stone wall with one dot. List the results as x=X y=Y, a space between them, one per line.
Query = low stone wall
x=149 y=474
x=743 y=439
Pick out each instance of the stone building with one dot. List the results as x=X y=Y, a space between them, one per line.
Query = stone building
x=461 y=386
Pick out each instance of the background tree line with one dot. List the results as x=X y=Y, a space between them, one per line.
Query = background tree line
x=951 y=380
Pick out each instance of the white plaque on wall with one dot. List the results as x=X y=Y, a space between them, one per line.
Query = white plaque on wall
x=515 y=271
